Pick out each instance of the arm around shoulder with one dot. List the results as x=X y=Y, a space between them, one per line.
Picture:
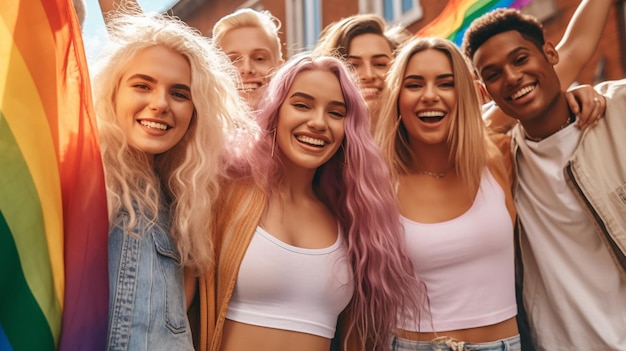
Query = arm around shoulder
x=614 y=92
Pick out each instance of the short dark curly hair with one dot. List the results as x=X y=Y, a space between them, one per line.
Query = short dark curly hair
x=499 y=21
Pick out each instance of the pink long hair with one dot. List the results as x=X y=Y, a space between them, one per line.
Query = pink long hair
x=355 y=185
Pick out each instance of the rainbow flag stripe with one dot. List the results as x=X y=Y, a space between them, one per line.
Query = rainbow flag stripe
x=453 y=21
x=53 y=220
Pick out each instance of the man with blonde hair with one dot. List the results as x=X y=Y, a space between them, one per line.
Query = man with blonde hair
x=250 y=38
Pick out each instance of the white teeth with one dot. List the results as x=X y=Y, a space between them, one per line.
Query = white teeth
x=153 y=125
x=367 y=91
x=248 y=87
x=522 y=92
x=431 y=114
x=309 y=140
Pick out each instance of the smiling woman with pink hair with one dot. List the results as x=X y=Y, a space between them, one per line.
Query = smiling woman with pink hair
x=307 y=232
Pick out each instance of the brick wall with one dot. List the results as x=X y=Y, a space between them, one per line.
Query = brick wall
x=606 y=63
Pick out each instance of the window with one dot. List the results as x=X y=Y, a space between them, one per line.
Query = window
x=304 y=23
x=393 y=11
x=253 y=4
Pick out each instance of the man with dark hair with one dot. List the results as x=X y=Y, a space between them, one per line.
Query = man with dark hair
x=570 y=190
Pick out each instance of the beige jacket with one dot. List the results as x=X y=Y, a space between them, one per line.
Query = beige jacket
x=596 y=173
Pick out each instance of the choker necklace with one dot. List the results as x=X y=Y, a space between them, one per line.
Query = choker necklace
x=570 y=119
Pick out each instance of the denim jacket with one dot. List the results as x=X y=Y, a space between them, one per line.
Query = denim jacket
x=146 y=295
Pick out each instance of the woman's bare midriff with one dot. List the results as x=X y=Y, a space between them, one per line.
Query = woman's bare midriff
x=246 y=337
x=488 y=333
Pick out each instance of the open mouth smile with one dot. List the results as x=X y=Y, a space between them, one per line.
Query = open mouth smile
x=311 y=141
x=522 y=92
x=154 y=125
x=431 y=116
x=249 y=87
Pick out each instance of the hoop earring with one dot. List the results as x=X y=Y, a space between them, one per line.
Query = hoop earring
x=273 y=142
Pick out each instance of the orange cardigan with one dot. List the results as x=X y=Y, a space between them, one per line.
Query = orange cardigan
x=237 y=214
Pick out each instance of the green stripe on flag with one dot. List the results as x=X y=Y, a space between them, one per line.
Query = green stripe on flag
x=23 y=219
x=21 y=318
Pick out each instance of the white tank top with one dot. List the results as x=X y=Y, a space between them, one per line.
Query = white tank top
x=286 y=287
x=467 y=264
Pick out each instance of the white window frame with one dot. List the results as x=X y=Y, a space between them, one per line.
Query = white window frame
x=301 y=31
x=399 y=18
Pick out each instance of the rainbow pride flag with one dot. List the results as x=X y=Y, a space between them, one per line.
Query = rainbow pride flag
x=453 y=21
x=53 y=220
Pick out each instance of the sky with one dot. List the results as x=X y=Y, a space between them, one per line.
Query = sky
x=94 y=32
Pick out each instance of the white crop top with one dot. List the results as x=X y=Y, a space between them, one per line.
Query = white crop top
x=466 y=263
x=286 y=287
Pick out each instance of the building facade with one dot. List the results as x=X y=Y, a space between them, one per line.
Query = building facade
x=302 y=21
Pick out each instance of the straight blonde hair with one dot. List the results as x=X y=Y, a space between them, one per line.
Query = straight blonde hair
x=466 y=139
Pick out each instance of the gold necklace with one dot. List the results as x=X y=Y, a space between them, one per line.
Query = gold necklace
x=570 y=118
x=433 y=174
x=437 y=175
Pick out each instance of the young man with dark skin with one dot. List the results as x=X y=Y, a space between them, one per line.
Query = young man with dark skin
x=570 y=190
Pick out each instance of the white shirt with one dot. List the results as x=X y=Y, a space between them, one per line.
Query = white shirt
x=573 y=294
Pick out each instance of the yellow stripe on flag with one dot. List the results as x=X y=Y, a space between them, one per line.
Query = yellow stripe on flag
x=25 y=119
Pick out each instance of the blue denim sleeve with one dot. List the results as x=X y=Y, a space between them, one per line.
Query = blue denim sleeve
x=147 y=300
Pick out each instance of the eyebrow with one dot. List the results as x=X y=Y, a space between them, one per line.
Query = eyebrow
x=441 y=76
x=252 y=52
x=512 y=53
x=262 y=50
x=373 y=56
x=309 y=97
x=152 y=80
